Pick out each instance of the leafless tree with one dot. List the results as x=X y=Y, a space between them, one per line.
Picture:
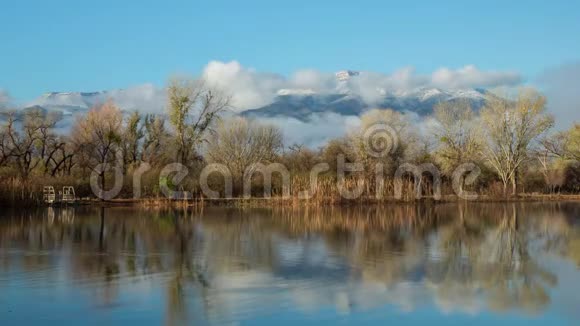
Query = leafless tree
x=239 y=144
x=456 y=130
x=155 y=138
x=97 y=137
x=133 y=134
x=511 y=125
x=29 y=146
x=192 y=106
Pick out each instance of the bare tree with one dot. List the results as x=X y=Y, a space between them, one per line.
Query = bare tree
x=384 y=137
x=300 y=159
x=60 y=158
x=240 y=143
x=573 y=144
x=550 y=165
x=193 y=107
x=557 y=153
x=6 y=135
x=98 y=136
x=564 y=144
x=379 y=147
x=29 y=146
x=156 y=137
x=132 y=136
x=458 y=136
x=511 y=126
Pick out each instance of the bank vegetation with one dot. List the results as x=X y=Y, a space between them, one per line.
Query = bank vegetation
x=509 y=141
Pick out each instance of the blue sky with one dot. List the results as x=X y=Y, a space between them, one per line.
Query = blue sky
x=67 y=45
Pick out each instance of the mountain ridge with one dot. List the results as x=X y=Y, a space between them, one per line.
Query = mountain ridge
x=421 y=101
x=296 y=103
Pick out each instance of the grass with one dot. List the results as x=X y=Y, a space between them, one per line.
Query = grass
x=325 y=192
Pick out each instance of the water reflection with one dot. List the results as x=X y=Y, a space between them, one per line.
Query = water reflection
x=223 y=265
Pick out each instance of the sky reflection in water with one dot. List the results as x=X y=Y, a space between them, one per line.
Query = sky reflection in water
x=477 y=263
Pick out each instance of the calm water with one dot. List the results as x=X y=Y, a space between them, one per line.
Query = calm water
x=454 y=264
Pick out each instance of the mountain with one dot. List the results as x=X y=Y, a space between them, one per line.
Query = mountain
x=68 y=102
x=300 y=104
x=344 y=98
x=145 y=98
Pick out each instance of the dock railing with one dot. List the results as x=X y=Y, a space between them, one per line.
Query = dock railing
x=48 y=194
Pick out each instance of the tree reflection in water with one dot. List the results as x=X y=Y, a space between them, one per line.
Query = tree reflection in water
x=223 y=264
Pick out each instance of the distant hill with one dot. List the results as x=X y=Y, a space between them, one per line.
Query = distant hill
x=299 y=104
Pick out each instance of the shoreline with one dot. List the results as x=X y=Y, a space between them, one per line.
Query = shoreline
x=285 y=202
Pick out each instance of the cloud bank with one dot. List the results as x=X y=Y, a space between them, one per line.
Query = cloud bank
x=561 y=86
x=144 y=98
x=315 y=132
x=4 y=98
x=251 y=89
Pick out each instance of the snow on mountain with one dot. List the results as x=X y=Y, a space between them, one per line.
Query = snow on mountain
x=287 y=91
x=426 y=93
x=421 y=101
x=145 y=98
x=345 y=99
x=345 y=75
x=68 y=99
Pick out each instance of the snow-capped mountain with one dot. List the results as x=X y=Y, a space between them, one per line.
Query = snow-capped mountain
x=146 y=98
x=347 y=99
x=344 y=99
x=67 y=102
x=301 y=105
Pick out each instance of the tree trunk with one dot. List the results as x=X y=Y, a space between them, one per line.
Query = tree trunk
x=102 y=190
x=102 y=230
x=515 y=183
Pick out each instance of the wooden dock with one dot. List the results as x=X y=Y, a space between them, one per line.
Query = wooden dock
x=65 y=197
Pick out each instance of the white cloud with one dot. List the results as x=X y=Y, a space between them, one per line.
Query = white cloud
x=251 y=89
x=312 y=79
x=144 y=98
x=561 y=86
x=248 y=88
x=315 y=132
x=471 y=77
x=4 y=98
x=372 y=86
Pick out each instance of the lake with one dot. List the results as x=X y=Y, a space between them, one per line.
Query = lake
x=483 y=263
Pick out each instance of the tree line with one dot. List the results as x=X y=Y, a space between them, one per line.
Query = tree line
x=509 y=139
